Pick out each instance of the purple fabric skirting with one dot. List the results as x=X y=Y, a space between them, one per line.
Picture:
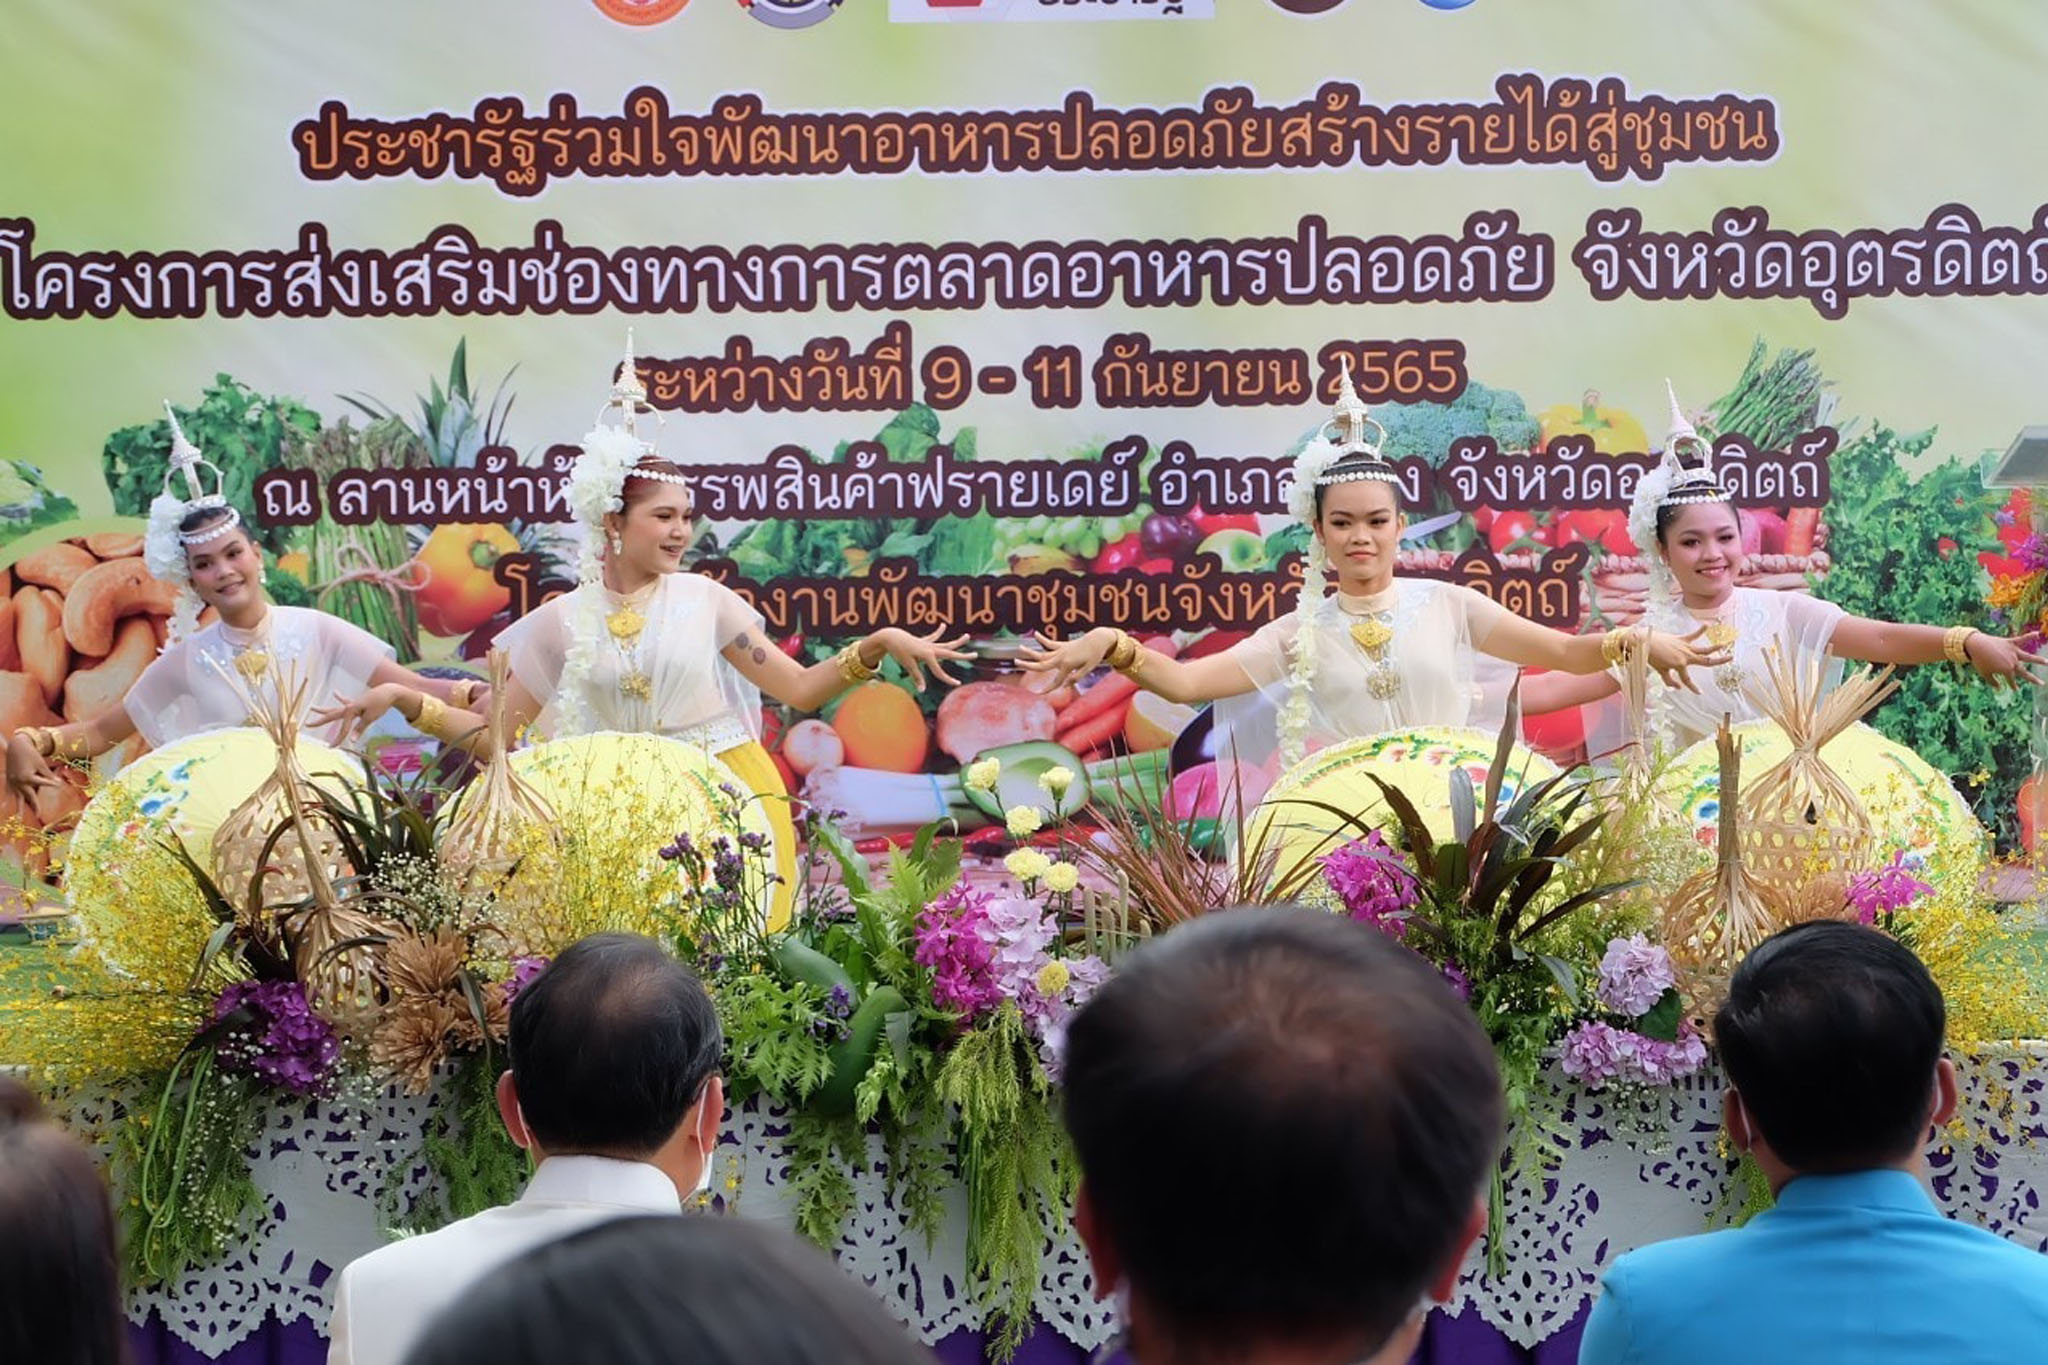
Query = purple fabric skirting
x=1466 y=1339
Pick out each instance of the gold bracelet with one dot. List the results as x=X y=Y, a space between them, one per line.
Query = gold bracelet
x=42 y=739
x=433 y=716
x=1956 y=644
x=852 y=667
x=463 y=693
x=1617 y=645
x=1122 y=654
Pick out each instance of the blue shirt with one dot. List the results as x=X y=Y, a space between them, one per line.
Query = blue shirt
x=1859 y=1267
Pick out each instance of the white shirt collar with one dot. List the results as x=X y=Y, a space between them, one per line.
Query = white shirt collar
x=602 y=1180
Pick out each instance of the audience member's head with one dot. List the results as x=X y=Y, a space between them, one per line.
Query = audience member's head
x=650 y=1291
x=60 y=1282
x=1832 y=1037
x=1284 y=1122
x=615 y=1050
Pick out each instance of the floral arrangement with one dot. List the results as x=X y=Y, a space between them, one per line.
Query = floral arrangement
x=917 y=1004
x=1641 y=1036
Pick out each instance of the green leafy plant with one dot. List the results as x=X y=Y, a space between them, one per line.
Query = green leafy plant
x=241 y=431
x=454 y=424
x=1905 y=549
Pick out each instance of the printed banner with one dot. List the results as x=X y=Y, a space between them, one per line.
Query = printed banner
x=963 y=315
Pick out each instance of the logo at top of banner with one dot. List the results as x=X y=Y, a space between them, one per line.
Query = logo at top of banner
x=790 y=13
x=640 y=13
x=1037 y=11
x=1325 y=6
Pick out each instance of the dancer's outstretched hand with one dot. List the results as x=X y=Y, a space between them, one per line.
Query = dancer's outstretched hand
x=1067 y=661
x=921 y=653
x=1673 y=655
x=356 y=717
x=2002 y=661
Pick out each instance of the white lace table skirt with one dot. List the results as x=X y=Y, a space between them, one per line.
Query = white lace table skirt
x=1633 y=1174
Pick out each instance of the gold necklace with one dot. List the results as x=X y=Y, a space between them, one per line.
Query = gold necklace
x=1723 y=634
x=252 y=649
x=1373 y=633
x=625 y=625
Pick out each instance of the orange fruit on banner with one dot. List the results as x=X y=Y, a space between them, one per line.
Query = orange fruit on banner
x=883 y=727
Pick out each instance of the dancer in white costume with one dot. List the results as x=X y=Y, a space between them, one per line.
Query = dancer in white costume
x=1688 y=531
x=1383 y=653
x=644 y=646
x=199 y=543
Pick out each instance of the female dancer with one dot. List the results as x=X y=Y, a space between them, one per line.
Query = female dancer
x=1385 y=653
x=1687 y=530
x=200 y=544
x=642 y=646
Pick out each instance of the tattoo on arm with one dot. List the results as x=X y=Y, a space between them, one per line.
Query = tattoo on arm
x=744 y=641
x=760 y=655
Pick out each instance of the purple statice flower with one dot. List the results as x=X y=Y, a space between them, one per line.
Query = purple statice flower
x=2033 y=552
x=1886 y=891
x=1634 y=975
x=1373 y=882
x=953 y=940
x=837 y=1009
x=274 y=1035
x=1455 y=978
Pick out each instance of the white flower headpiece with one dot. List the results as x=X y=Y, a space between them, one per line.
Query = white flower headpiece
x=164 y=545
x=611 y=454
x=1671 y=483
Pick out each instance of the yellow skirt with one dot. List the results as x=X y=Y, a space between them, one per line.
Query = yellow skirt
x=750 y=764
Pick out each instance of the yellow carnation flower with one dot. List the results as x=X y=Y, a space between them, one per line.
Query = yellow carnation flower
x=1024 y=821
x=982 y=776
x=1027 y=864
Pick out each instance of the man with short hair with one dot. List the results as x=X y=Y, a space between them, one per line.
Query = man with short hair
x=613 y=1089
x=1832 y=1039
x=1284 y=1121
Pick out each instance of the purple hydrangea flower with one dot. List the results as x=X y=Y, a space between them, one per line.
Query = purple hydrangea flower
x=276 y=1036
x=1634 y=974
x=1596 y=1054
